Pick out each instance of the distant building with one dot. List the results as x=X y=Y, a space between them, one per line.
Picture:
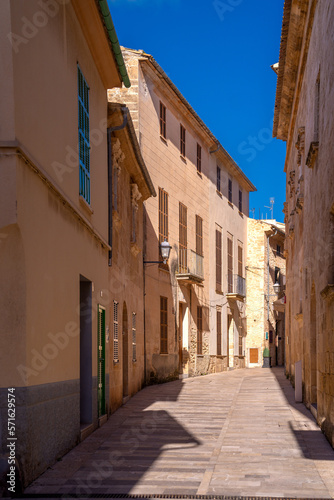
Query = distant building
x=265 y=306
x=57 y=64
x=304 y=113
x=194 y=306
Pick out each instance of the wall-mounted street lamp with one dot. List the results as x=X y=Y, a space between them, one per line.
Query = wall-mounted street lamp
x=165 y=249
x=277 y=288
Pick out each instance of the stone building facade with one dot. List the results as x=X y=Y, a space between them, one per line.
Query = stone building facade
x=304 y=119
x=265 y=308
x=183 y=157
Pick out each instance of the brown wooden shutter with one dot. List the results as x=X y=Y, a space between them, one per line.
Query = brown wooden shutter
x=163 y=325
x=199 y=330
x=218 y=260
x=219 y=333
x=230 y=265
x=240 y=264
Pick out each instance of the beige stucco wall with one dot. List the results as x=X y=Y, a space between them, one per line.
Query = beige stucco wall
x=48 y=236
x=309 y=228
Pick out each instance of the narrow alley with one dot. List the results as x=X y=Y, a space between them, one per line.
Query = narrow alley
x=236 y=433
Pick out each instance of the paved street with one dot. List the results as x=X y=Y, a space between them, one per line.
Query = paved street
x=234 y=433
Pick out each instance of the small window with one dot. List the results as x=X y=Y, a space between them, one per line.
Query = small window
x=84 y=145
x=182 y=141
x=230 y=198
x=278 y=250
x=163 y=215
x=199 y=158
x=199 y=235
x=116 y=352
x=134 y=339
x=240 y=345
x=240 y=200
x=163 y=325
x=219 y=333
x=199 y=330
x=218 y=179
x=277 y=275
x=163 y=120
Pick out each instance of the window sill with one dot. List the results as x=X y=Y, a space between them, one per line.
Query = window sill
x=85 y=205
x=220 y=292
x=219 y=193
x=241 y=214
x=164 y=140
x=164 y=354
x=183 y=159
x=230 y=204
x=116 y=362
x=199 y=174
x=200 y=355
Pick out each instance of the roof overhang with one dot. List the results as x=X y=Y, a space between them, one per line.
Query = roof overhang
x=96 y=23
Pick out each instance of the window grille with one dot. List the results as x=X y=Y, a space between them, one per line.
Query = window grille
x=84 y=145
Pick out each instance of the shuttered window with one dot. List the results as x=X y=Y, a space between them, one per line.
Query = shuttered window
x=116 y=351
x=134 y=335
x=240 y=346
x=163 y=215
x=199 y=158
x=219 y=333
x=199 y=235
x=218 y=260
x=182 y=238
x=229 y=265
x=162 y=120
x=240 y=261
x=163 y=325
x=199 y=330
x=230 y=199
x=240 y=200
x=218 y=179
x=84 y=146
x=182 y=140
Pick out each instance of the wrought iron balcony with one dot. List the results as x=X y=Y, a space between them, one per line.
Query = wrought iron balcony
x=236 y=287
x=190 y=266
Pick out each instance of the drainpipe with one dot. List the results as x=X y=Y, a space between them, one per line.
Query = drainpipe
x=110 y=179
x=215 y=151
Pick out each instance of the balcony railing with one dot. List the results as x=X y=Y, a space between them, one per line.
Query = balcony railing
x=236 y=286
x=191 y=266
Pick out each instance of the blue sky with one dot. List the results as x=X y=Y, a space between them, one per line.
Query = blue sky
x=218 y=53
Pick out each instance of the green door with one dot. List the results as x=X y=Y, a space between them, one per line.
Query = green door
x=101 y=330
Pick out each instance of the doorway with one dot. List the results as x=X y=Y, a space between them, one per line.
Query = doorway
x=101 y=371
x=86 y=379
x=313 y=353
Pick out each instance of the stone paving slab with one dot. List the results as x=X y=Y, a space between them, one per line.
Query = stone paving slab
x=236 y=433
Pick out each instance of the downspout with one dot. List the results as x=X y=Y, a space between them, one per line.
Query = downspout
x=215 y=151
x=144 y=290
x=110 y=179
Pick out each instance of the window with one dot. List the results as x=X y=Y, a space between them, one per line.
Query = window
x=134 y=340
x=218 y=179
x=277 y=275
x=84 y=147
x=116 y=352
x=199 y=330
x=199 y=158
x=182 y=238
x=240 y=200
x=240 y=263
x=278 y=250
x=218 y=260
x=163 y=120
x=199 y=235
x=230 y=190
x=240 y=345
x=163 y=325
x=163 y=215
x=182 y=141
x=219 y=333
x=230 y=264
